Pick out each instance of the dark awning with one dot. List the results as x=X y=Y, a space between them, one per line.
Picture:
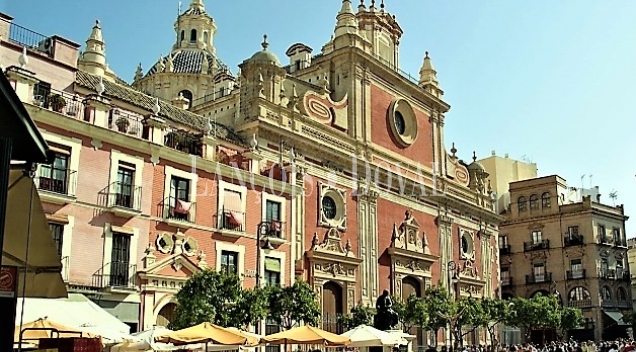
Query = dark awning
x=15 y=122
x=617 y=317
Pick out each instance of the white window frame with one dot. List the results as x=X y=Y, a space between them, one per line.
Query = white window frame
x=283 y=209
x=75 y=146
x=276 y=255
x=223 y=186
x=170 y=171
x=115 y=158
x=108 y=247
x=230 y=247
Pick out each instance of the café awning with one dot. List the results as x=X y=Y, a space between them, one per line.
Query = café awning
x=28 y=243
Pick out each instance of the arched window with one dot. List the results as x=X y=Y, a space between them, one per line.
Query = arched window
x=579 y=293
x=545 y=200
x=167 y=314
x=193 y=36
x=205 y=37
x=534 y=202
x=188 y=95
x=182 y=34
x=621 y=295
x=606 y=293
x=332 y=307
x=410 y=286
x=522 y=204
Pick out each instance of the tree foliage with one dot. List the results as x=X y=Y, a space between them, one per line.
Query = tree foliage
x=359 y=315
x=571 y=318
x=538 y=312
x=293 y=304
x=216 y=297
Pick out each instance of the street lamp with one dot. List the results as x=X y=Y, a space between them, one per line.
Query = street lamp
x=261 y=232
x=452 y=280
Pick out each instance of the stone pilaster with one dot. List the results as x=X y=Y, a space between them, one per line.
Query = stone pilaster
x=157 y=126
x=255 y=158
x=23 y=81
x=99 y=108
x=445 y=228
x=209 y=147
x=368 y=241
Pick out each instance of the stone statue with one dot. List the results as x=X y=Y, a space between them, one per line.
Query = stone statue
x=385 y=318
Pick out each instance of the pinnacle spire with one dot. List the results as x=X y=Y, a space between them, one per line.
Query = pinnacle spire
x=197 y=4
x=96 y=33
x=346 y=19
x=428 y=75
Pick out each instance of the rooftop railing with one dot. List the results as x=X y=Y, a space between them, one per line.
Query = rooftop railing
x=25 y=37
x=125 y=122
x=61 y=102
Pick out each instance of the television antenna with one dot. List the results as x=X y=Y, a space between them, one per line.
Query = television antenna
x=613 y=195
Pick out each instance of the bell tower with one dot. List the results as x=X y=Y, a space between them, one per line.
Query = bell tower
x=195 y=29
x=383 y=31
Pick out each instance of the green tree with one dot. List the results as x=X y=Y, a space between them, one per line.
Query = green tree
x=537 y=313
x=359 y=315
x=438 y=306
x=571 y=318
x=293 y=304
x=496 y=311
x=467 y=314
x=215 y=297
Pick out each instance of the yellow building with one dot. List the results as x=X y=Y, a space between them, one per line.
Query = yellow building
x=502 y=171
x=573 y=248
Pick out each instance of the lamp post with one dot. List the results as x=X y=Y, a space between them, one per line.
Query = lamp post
x=261 y=232
x=452 y=280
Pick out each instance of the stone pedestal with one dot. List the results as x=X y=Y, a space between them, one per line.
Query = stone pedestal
x=157 y=126
x=23 y=81
x=98 y=108
x=255 y=158
x=209 y=147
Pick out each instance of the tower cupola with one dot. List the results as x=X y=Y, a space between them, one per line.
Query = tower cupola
x=93 y=59
x=195 y=28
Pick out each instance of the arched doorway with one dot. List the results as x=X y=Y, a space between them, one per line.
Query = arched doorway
x=412 y=287
x=332 y=307
x=188 y=95
x=166 y=315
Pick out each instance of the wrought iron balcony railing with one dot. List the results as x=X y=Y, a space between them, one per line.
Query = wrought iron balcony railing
x=178 y=209
x=61 y=102
x=33 y=40
x=538 y=278
x=120 y=275
x=573 y=240
x=506 y=281
x=56 y=180
x=124 y=195
x=576 y=274
x=232 y=220
x=505 y=250
x=535 y=246
x=582 y=303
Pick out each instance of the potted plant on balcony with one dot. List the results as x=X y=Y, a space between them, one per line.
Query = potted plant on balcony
x=173 y=139
x=122 y=124
x=57 y=102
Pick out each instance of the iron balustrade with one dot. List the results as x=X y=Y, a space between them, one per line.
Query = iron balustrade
x=61 y=102
x=175 y=209
x=506 y=281
x=56 y=180
x=576 y=274
x=538 y=278
x=124 y=122
x=609 y=274
x=184 y=141
x=228 y=220
x=505 y=250
x=276 y=229
x=125 y=195
x=534 y=246
x=581 y=303
x=121 y=275
x=33 y=40
x=573 y=240
x=624 y=304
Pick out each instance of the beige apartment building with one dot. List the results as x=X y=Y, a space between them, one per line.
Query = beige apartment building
x=631 y=258
x=574 y=248
x=502 y=171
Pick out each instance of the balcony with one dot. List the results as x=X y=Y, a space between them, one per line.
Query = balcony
x=56 y=185
x=576 y=274
x=124 y=199
x=184 y=141
x=276 y=232
x=608 y=274
x=573 y=241
x=624 y=304
x=116 y=276
x=232 y=221
x=124 y=122
x=582 y=303
x=178 y=213
x=25 y=37
x=535 y=246
x=538 y=279
x=505 y=250
x=68 y=104
x=506 y=281
x=607 y=240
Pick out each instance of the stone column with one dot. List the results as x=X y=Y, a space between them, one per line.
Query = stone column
x=157 y=126
x=23 y=81
x=368 y=242
x=255 y=158
x=99 y=107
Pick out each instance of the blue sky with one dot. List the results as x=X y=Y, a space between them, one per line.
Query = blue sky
x=551 y=81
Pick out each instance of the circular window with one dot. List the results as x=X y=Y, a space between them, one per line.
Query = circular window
x=467 y=245
x=187 y=247
x=400 y=125
x=403 y=122
x=329 y=208
x=464 y=244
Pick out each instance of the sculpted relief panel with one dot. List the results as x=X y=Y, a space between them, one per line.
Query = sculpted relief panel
x=321 y=108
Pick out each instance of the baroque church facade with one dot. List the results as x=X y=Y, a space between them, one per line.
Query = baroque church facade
x=339 y=154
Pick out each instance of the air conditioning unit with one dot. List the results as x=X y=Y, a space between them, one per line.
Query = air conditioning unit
x=46 y=46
